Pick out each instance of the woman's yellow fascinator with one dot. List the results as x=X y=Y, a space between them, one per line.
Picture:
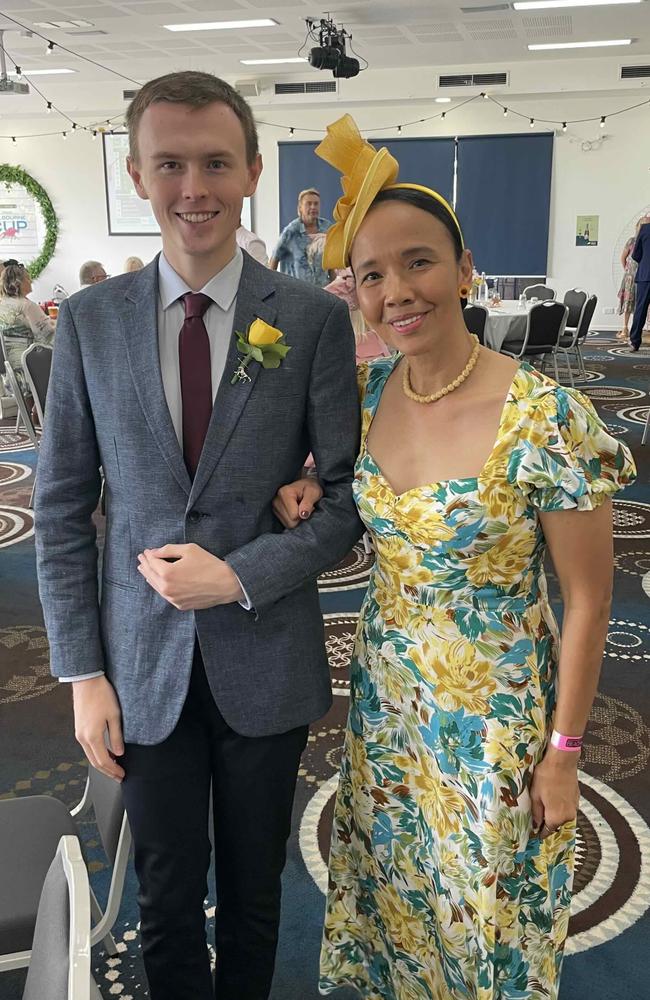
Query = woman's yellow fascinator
x=366 y=171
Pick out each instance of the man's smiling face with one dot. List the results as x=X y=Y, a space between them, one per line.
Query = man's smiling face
x=191 y=165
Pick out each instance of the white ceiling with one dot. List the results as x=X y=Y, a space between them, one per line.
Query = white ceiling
x=129 y=37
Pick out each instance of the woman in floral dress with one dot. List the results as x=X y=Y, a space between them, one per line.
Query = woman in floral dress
x=454 y=828
x=627 y=291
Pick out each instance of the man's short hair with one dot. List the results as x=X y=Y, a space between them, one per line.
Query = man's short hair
x=87 y=271
x=303 y=194
x=197 y=90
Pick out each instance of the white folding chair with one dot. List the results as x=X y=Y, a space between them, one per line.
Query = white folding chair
x=59 y=967
x=30 y=829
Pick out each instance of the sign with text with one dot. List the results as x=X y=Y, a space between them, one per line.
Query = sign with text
x=128 y=214
x=22 y=226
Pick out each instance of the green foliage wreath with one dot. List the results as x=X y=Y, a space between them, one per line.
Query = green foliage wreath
x=16 y=175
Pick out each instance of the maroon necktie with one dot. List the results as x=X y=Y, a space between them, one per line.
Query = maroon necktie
x=196 y=380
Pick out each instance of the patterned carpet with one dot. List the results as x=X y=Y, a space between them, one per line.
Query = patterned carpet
x=610 y=924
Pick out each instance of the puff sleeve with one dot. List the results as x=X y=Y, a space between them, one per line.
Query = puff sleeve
x=565 y=457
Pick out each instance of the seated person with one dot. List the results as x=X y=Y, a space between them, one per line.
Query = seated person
x=22 y=322
x=90 y=273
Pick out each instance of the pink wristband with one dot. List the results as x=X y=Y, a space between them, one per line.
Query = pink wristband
x=571 y=743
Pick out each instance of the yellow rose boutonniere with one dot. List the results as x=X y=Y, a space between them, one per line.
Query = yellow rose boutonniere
x=262 y=343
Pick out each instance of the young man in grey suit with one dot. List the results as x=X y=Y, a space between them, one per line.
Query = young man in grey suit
x=200 y=661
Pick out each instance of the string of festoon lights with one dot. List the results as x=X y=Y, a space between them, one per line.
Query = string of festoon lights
x=116 y=122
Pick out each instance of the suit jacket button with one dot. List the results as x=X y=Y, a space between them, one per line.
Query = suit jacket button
x=194 y=516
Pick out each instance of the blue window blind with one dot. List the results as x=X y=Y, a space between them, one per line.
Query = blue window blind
x=503 y=201
x=422 y=161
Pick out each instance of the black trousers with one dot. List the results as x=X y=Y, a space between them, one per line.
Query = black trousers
x=640 y=312
x=166 y=793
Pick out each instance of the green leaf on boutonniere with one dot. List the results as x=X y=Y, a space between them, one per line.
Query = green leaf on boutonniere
x=262 y=343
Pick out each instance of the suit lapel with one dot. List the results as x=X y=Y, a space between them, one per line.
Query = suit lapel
x=139 y=317
x=255 y=298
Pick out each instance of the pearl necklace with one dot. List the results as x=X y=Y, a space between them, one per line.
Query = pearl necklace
x=434 y=396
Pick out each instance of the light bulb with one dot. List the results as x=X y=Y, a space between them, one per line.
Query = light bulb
x=602 y=121
x=532 y=123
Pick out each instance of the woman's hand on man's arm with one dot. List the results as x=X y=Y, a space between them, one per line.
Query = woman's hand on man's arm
x=295 y=502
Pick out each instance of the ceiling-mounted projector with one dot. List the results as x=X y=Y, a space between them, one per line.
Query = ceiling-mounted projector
x=330 y=52
x=7 y=86
x=13 y=86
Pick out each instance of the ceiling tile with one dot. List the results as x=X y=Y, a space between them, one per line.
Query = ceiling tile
x=439 y=37
x=548 y=26
x=93 y=14
x=223 y=6
x=145 y=9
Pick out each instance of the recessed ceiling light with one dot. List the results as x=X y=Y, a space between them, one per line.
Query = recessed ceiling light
x=443 y=100
x=42 y=72
x=272 y=62
x=579 y=45
x=549 y=4
x=261 y=22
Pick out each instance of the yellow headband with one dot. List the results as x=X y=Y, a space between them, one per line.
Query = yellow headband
x=366 y=171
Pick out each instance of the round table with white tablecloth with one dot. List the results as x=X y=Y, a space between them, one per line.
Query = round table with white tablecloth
x=506 y=321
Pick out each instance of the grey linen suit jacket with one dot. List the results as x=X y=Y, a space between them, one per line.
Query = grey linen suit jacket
x=106 y=408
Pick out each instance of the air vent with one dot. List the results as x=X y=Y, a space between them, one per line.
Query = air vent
x=248 y=88
x=65 y=25
x=320 y=87
x=634 y=72
x=474 y=80
x=128 y=95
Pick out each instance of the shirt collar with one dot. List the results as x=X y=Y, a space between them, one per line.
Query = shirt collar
x=323 y=224
x=222 y=288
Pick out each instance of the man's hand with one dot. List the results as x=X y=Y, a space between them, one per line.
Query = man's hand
x=296 y=501
x=96 y=710
x=195 y=579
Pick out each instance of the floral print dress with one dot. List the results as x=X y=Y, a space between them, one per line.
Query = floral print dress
x=438 y=888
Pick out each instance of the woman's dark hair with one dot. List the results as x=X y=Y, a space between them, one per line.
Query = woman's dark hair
x=425 y=202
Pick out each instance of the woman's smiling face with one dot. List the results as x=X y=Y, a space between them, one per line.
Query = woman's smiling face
x=408 y=276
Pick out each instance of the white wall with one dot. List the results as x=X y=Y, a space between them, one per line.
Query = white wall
x=612 y=181
x=72 y=173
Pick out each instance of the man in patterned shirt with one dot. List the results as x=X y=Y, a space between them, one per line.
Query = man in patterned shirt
x=299 y=251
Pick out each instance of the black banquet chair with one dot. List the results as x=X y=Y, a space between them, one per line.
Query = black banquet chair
x=542 y=292
x=575 y=299
x=476 y=316
x=37 y=362
x=544 y=327
x=570 y=341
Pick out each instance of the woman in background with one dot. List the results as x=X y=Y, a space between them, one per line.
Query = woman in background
x=627 y=291
x=453 y=838
x=368 y=345
x=133 y=264
x=22 y=322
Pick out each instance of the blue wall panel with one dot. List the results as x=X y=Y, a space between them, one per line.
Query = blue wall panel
x=503 y=201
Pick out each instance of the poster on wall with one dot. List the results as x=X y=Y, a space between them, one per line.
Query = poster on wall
x=587 y=230
x=22 y=226
x=128 y=214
